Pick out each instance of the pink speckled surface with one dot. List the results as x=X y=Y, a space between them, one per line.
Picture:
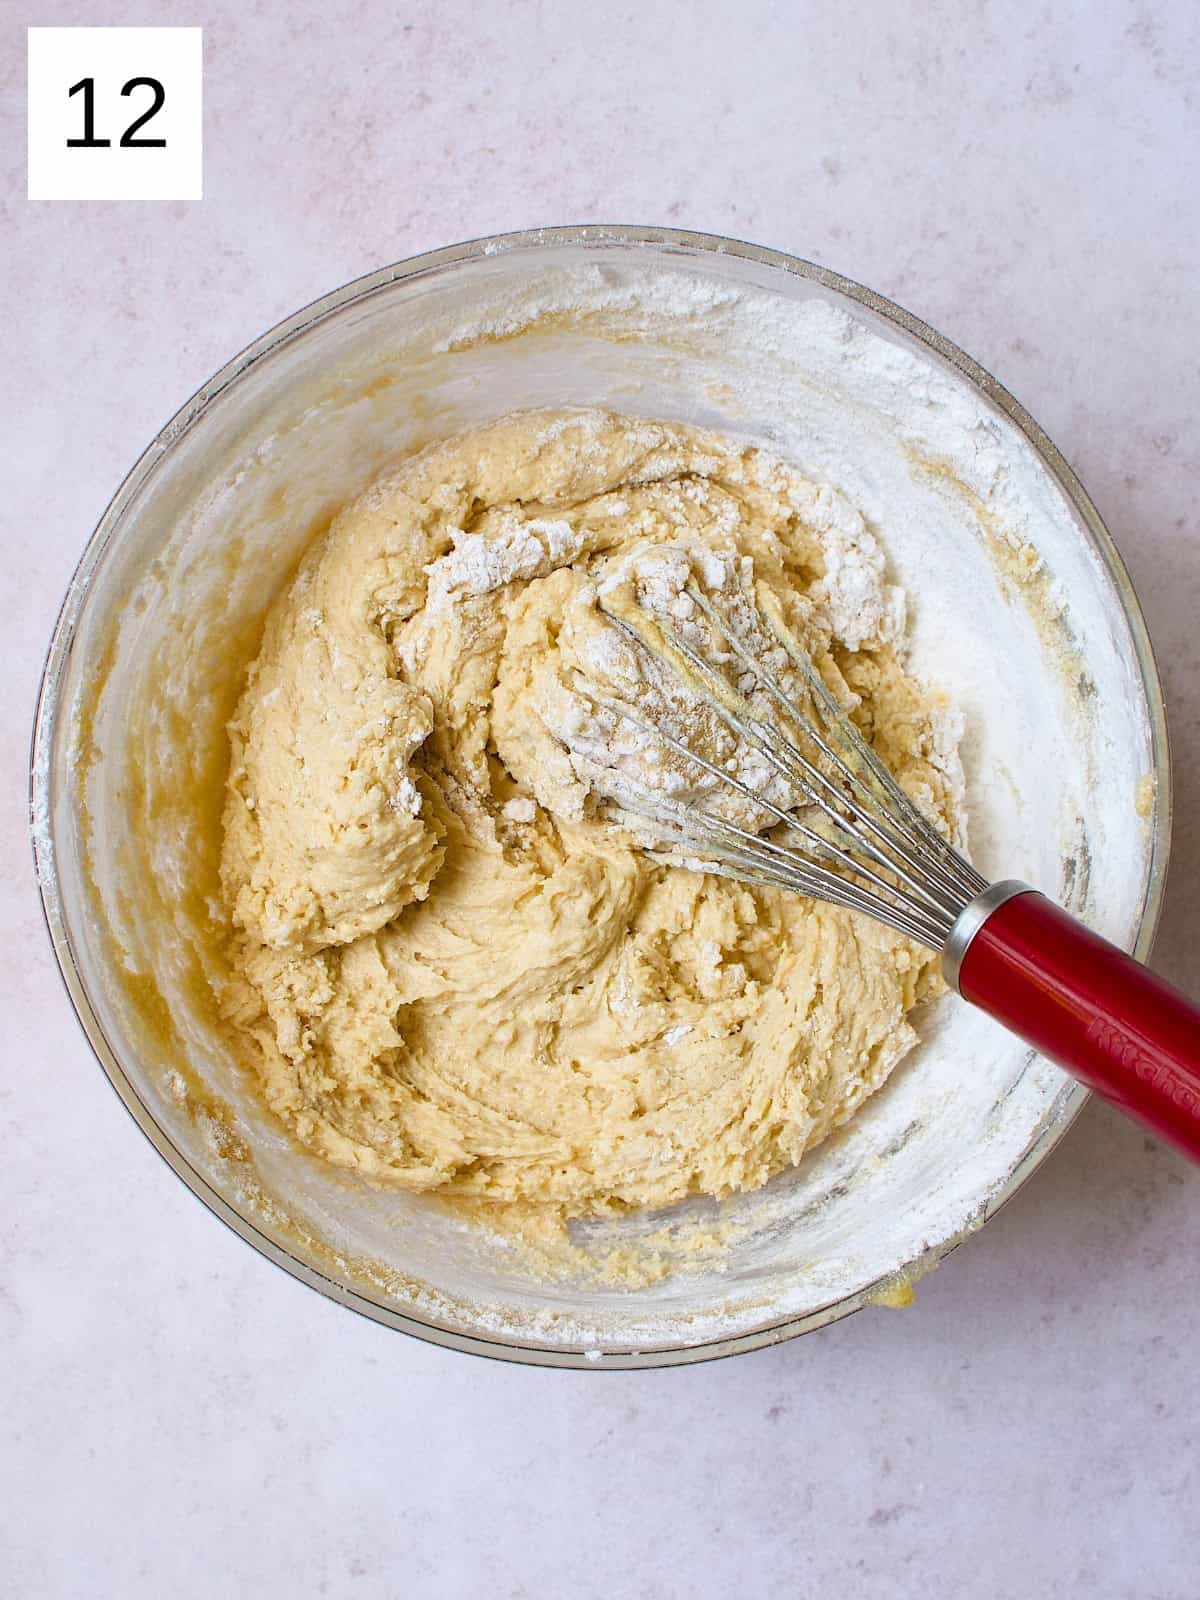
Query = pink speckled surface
x=183 y=1419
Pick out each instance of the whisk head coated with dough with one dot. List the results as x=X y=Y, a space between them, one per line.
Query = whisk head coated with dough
x=855 y=838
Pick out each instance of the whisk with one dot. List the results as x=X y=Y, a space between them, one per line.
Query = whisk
x=859 y=841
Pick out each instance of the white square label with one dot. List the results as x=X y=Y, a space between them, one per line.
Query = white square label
x=115 y=113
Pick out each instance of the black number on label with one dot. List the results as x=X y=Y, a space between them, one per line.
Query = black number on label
x=128 y=142
x=89 y=140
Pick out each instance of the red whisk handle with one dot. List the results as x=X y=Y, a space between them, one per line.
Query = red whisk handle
x=1087 y=1005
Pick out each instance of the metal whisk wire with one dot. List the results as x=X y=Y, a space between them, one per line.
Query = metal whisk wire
x=886 y=858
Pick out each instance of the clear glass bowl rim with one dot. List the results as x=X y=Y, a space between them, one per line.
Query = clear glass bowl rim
x=675 y=241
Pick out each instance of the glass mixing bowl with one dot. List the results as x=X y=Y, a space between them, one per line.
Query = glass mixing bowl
x=1022 y=609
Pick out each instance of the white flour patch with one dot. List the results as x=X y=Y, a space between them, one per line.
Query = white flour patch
x=516 y=550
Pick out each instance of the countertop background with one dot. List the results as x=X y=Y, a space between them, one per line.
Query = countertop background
x=180 y=1418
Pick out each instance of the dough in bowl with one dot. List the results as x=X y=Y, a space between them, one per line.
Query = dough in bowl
x=454 y=968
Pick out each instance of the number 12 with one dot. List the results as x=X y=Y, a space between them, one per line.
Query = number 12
x=127 y=142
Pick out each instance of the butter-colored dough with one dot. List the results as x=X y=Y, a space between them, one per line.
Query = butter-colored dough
x=453 y=970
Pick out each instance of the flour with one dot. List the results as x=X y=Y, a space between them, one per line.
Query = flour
x=407 y=797
x=862 y=604
x=645 y=301
x=513 y=549
x=520 y=809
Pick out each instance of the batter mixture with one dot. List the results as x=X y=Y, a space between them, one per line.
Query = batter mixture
x=457 y=968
